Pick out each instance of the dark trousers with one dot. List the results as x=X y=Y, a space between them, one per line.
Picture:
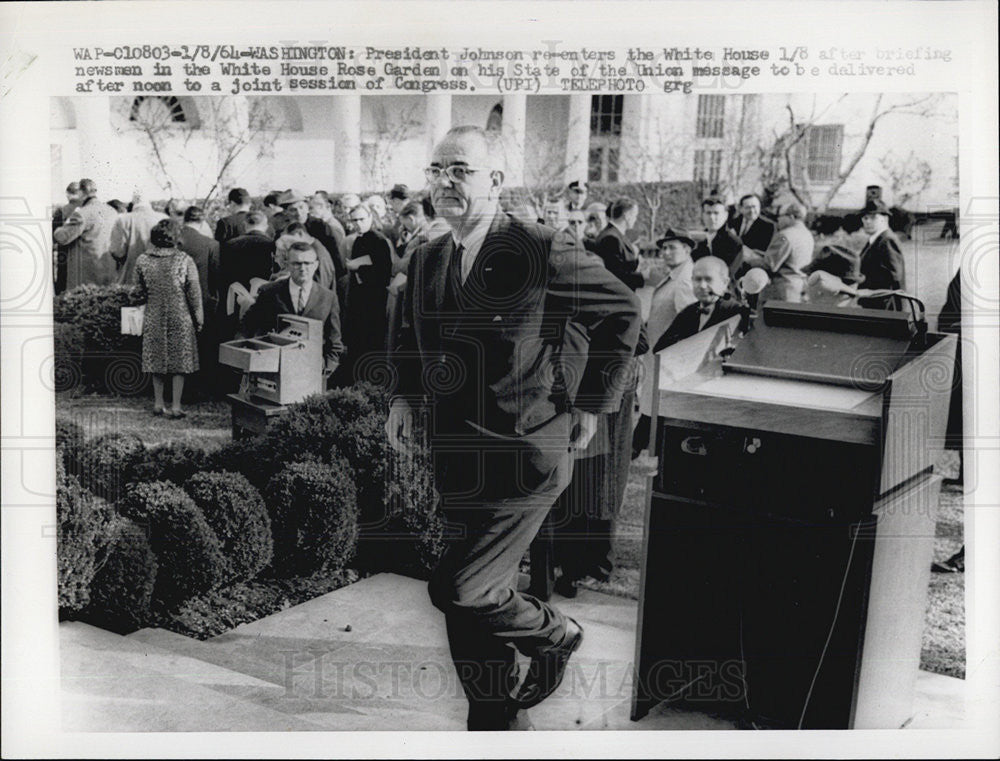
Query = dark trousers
x=496 y=492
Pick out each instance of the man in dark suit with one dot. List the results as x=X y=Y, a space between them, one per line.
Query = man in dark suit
x=247 y=256
x=513 y=336
x=299 y=294
x=881 y=257
x=709 y=279
x=235 y=223
x=752 y=229
x=721 y=242
x=612 y=245
x=195 y=242
x=205 y=252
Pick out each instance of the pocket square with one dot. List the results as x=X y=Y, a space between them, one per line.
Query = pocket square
x=498 y=318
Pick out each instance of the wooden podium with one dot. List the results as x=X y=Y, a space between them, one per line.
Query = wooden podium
x=790 y=528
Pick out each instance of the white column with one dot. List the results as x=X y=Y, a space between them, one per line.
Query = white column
x=577 y=138
x=347 y=143
x=437 y=117
x=636 y=162
x=515 y=111
x=96 y=140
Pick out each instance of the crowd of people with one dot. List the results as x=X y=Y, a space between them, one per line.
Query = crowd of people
x=354 y=252
x=450 y=275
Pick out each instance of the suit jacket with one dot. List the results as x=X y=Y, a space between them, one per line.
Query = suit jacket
x=205 y=252
x=758 y=236
x=130 y=238
x=231 y=227
x=685 y=324
x=786 y=258
x=537 y=327
x=275 y=298
x=726 y=245
x=331 y=234
x=245 y=257
x=882 y=263
x=668 y=300
x=618 y=255
x=87 y=236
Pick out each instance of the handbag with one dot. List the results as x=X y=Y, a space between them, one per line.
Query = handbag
x=133 y=319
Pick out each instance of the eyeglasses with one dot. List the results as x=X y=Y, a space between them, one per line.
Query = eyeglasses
x=301 y=264
x=454 y=172
x=575 y=222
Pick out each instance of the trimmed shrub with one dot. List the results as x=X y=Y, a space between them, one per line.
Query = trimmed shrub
x=416 y=526
x=174 y=462
x=80 y=520
x=96 y=311
x=69 y=346
x=110 y=362
x=308 y=428
x=122 y=589
x=187 y=551
x=239 y=456
x=353 y=402
x=69 y=442
x=235 y=511
x=378 y=396
x=314 y=517
x=104 y=464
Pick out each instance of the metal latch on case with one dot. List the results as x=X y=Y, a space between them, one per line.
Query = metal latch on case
x=694 y=445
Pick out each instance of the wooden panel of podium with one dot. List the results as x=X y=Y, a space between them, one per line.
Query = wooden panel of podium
x=790 y=527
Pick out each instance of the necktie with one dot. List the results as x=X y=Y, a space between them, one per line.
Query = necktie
x=705 y=310
x=464 y=260
x=301 y=306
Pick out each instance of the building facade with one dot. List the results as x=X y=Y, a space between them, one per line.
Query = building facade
x=191 y=147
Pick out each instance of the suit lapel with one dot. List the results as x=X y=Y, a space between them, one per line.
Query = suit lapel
x=440 y=266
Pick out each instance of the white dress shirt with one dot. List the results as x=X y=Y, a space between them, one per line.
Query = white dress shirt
x=294 y=290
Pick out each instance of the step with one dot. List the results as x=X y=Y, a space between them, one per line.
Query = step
x=112 y=685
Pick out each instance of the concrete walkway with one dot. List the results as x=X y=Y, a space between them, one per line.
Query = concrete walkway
x=370 y=656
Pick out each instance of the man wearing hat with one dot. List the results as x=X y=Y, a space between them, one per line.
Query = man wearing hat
x=295 y=208
x=576 y=195
x=670 y=297
x=674 y=292
x=881 y=258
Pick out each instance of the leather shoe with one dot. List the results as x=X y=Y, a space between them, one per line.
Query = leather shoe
x=565 y=587
x=547 y=670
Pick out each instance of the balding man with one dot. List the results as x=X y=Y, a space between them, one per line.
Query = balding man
x=710 y=283
x=512 y=337
x=787 y=257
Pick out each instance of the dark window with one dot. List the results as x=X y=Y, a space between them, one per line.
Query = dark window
x=707 y=169
x=606 y=114
x=154 y=108
x=823 y=152
x=711 y=116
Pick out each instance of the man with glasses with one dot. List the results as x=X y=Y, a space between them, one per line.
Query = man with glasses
x=299 y=294
x=785 y=260
x=511 y=339
x=575 y=222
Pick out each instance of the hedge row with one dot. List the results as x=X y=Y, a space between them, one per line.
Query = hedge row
x=90 y=351
x=181 y=523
